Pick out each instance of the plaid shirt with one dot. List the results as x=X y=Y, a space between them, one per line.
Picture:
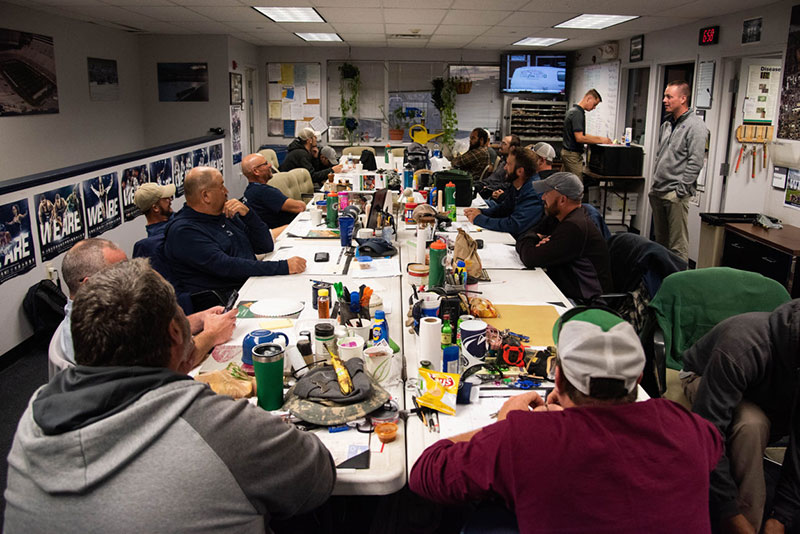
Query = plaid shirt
x=473 y=161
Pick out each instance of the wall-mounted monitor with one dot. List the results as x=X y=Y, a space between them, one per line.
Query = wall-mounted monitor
x=533 y=72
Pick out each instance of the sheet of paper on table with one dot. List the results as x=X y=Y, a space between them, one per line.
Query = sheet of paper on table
x=308 y=252
x=500 y=256
x=344 y=445
x=465 y=225
x=476 y=415
x=377 y=268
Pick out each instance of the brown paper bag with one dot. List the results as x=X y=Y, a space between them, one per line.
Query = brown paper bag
x=466 y=249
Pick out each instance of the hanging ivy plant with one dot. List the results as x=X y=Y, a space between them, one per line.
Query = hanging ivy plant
x=444 y=98
x=349 y=86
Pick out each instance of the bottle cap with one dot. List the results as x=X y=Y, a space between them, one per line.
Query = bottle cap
x=460 y=263
x=438 y=245
x=450 y=184
x=379 y=314
x=322 y=293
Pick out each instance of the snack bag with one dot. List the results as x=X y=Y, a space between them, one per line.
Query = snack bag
x=440 y=391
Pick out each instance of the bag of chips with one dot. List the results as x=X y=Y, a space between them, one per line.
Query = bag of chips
x=439 y=390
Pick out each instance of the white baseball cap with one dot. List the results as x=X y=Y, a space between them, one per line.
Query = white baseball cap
x=595 y=343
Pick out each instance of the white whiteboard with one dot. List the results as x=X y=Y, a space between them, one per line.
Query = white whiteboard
x=605 y=79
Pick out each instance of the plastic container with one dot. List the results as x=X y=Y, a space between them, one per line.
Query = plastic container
x=323 y=303
x=323 y=335
x=449 y=194
x=438 y=250
x=380 y=330
x=387 y=432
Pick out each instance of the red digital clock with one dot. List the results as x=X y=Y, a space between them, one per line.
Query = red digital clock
x=708 y=36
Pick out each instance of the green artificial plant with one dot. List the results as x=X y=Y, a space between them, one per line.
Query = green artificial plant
x=349 y=86
x=444 y=98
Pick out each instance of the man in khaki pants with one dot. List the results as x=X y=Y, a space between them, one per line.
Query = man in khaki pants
x=575 y=133
x=679 y=160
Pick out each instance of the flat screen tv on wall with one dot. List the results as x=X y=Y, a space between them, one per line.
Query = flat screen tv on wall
x=532 y=72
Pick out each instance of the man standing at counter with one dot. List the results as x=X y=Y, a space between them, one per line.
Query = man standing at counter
x=679 y=160
x=575 y=136
x=126 y=441
x=522 y=207
x=591 y=459
x=211 y=243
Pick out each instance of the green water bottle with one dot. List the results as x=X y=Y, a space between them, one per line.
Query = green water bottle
x=449 y=194
x=437 y=253
x=332 y=214
x=386 y=154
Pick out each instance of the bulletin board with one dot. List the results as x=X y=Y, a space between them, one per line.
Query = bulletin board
x=605 y=79
x=293 y=91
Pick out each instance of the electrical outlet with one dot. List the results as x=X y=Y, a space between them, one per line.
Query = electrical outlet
x=52 y=273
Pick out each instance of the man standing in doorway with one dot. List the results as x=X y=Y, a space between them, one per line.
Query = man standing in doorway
x=679 y=160
x=575 y=136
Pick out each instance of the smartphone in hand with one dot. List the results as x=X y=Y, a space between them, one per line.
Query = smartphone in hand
x=231 y=301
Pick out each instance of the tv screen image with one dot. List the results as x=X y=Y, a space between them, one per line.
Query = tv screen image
x=534 y=73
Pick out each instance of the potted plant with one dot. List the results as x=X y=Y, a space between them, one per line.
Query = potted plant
x=463 y=85
x=444 y=98
x=398 y=121
x=349 y=86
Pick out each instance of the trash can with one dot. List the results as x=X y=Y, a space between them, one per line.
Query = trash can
x=712 y=235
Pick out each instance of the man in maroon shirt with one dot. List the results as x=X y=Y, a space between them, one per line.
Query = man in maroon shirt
x=590 y=459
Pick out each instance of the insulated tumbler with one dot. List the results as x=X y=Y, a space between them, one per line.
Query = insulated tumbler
x=268 y=365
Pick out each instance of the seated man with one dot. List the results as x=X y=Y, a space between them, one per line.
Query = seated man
x=300 y=156
x=591 y=459
x=275 y=209
x=742 y=376
x=126 y=441
x=522 y=207
x=566 y=241
x=90 y=256
x=475 y=160
x=545 y=154
x=497 y=180
x=212 y=242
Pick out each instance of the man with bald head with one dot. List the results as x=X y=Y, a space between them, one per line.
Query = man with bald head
x=211 y=243
x=275 y=209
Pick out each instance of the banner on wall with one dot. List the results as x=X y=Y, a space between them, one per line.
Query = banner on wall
x=236 y=134
x=60 y=220
x=215 y=158
x=132 y=177
x=161 y=171
x=101 y=198
x=181 y=165
x=16 y=242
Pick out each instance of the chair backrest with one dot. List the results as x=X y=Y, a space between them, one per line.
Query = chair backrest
x=294 y=184
x=56 y=362
x=270 y=156
x=634 y=259
x=691 y=303
x=357 y=150
x=398 y=152
x=486 y=172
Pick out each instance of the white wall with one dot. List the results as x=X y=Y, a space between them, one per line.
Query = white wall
x=82 y=130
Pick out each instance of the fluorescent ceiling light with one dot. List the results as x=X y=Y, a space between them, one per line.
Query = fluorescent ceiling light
x=538 y=41
x=290 y=14
x=595 y=22
x=319 y=36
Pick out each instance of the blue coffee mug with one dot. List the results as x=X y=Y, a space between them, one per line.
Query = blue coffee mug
x=257 y=337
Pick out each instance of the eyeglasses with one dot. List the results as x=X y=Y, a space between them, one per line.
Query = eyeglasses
x=261 y=165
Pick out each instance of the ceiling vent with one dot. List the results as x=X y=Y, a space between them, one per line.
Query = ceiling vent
x=123 y=27
x=411 y=36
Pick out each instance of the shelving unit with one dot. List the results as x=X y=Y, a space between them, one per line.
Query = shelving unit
x=537 y=120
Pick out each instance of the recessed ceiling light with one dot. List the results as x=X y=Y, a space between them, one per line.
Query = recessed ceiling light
x=290 y=14
x=538 y=41
x=319 y=36
x=595 y=22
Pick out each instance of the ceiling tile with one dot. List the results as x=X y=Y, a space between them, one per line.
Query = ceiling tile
x=489 y=18
x=315 y=27
x=114 y=14
x=536 y=20
x=524 y=31
x=405 y=16
x=448 y=29
x=421 y=4
x=495 y=40
x=505 y=5
x=169 y=14
x=126 y=3
x=348 y=27
x=425 y=29
x=710 y=8
x=353 y=37
x=230 y=13
x=406 y=43
x=69 y=2
x=366 y=15
x=565 y=6
x=449 y=40
x=264 y=25
x=167 y=28
x=344 y=3
x=209 y=27
x=204 y=2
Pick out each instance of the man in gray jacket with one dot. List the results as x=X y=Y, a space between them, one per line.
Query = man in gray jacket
x=679 y=160
x=127 y=442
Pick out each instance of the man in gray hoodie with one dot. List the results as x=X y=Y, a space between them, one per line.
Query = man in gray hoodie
x=679 y=160
x=127 y=442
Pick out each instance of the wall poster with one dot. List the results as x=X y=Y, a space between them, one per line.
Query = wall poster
x=103 y=80
x=763 y=93
x=16 y=246
x=101 y=198
x=236 y=134
x=181 y=165
x=161 y=171
x=60 y=220
x=27 y=74
x=132 y=177
x=183 y=82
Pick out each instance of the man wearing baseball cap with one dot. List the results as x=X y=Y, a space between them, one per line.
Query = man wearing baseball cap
x=545 y=154
x=566 y=241
x=155 y=202
x=299 y=156
x=590 y=459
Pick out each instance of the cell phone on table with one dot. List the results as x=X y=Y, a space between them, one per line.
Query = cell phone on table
x=231 y=301
x=321 y=257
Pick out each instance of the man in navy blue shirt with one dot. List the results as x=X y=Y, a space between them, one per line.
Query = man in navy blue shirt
x=155 y=202
x=211 y=243
x=522 y=206
x=275 y=209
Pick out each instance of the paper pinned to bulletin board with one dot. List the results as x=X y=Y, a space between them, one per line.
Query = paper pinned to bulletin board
x=294 y=97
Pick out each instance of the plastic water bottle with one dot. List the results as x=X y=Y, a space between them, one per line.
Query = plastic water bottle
x=386 y=154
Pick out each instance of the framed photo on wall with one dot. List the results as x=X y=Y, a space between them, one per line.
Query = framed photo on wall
x=236 y=89
x=637 y=48
x=337 y=134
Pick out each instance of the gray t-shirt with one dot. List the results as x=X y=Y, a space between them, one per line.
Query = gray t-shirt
x=574 y=121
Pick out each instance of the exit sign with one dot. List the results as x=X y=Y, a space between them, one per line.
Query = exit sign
x=708 y=36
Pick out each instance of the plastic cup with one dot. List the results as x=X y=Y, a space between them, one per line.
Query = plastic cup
x=346 y=225
x=350 y=347
x=316 y=216
x=473 y=338
x=429 y=303
x=268 y=365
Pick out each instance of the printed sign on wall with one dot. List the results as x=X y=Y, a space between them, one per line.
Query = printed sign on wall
x=16 y=242
x=131 y=178
x=101 y=198
x=181 y=165
x=60 y=216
